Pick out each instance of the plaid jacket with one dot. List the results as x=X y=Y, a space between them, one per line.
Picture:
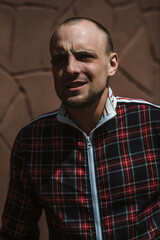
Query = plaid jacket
x=105 y=186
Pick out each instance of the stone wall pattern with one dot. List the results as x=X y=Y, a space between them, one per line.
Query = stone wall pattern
x=26 y=83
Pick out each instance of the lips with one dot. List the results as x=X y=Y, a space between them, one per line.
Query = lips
x=75 y=85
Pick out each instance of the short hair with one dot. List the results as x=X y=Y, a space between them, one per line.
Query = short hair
x=74 y=20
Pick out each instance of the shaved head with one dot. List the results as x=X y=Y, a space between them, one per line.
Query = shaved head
x=76 y=20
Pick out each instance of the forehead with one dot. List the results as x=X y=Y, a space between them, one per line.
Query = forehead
x=85 y=35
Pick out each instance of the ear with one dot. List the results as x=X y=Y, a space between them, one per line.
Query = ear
x=113 y=64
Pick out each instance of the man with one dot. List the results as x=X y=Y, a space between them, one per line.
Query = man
x=93 y=165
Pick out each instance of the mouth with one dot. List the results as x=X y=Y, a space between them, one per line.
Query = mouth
x=74 y=86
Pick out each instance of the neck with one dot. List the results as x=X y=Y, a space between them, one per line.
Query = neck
x=87 y=118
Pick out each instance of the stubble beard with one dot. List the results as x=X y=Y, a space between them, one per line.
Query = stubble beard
x=92 y=98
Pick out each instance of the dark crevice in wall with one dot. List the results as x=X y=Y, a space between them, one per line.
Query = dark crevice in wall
x=5 y=70
x=145 y=10
x=23 y=91
x=151 y=45
x=29 y=5
x=153 y=54
x=119 y=5
x=149 y=37
x=135 y=82
x=62 y=13
x=8 y=106
x=75 y=12
x=9 y=4
x=150 y=9
x=17 y=74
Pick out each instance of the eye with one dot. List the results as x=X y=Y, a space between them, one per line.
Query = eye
x=59 y=59
x=84 y=57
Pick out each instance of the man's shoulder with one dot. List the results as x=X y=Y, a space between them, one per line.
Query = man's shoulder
x=135 y=101
x=134 y=108
x=43 y=120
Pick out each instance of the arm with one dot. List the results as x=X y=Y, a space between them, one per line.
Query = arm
x=22 y=211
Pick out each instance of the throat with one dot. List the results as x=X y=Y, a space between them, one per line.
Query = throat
x=86 y=121
x=87 y=118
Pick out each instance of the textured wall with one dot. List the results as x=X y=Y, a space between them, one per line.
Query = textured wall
x=26 y=85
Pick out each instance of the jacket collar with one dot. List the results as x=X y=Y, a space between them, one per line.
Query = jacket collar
x=109 y=111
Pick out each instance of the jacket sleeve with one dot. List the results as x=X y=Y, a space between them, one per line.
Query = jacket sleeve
x=22 y=211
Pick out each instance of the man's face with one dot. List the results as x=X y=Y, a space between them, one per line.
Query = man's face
x=80 y=64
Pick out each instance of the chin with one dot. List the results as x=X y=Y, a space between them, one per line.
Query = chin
x=84 y=101
x=79 y=103
x=75 y=104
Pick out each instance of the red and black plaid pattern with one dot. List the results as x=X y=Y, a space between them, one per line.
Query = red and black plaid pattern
x=50 y=171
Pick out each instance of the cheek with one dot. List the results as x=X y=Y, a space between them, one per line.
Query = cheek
x=57 y=86
x=90 y=71
x=98 y=69
x=99 y=73
x=57 y=78
x=56 y=73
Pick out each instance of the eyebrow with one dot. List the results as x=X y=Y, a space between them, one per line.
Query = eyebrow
x=90 y=52
x=59 y=54
x=64 y=53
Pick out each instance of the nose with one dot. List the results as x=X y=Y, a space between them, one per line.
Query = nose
x=73 y=65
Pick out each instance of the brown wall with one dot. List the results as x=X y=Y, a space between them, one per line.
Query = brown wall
x=26 y=85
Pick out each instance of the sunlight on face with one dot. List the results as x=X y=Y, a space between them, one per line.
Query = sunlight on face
x=80 y=63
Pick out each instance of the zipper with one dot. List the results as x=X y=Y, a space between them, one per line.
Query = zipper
x=94 y=194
